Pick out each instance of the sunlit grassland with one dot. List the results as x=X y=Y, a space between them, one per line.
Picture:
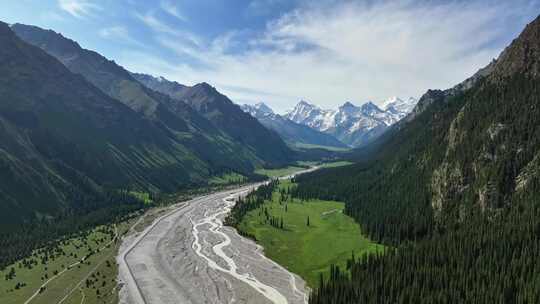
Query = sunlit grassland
x=311 y=146
x=330 y=238
x=227 y=179
x=68 y=284
x=299 y=166
x=142 y=196
x=279 y=171
x=335 y=164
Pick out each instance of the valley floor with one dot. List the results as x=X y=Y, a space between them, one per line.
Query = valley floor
x=330 y=239
x=178 y=252
x=81 y=270
x=188 y=256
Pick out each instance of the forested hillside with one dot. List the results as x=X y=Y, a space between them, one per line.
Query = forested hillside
x=208 y=137
x=226 y=116
x=454 y=190
x=64 y=141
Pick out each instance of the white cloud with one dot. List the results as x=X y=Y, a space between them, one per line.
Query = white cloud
x=118 y=33
x=78 y=8
x=173 y=10
x=156 y=25
x=349 y=52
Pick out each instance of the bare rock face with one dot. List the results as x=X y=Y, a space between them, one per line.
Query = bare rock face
x=484 y=161
x=522 y=55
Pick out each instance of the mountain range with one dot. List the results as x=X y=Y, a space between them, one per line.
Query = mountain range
x=224 y=115
x=205 y=110
x=454 y=187
x=75 y=126
x=297 y=135
x=353 y=125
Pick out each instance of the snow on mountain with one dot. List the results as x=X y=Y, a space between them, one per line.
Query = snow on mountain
x=292 y=132
x=351 y=124
x=258 y=110
x=312 y=116
x=396 y=104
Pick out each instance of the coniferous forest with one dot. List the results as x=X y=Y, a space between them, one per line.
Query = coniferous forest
x=454 y=193
x=252 y=201
x=114 y=207
x=110 y=175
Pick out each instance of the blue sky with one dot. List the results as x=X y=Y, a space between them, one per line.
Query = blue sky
x=281 y=51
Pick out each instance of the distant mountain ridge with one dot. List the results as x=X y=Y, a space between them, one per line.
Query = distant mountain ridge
x=289 y=130
x=64 y=143
x=179 y=108
x=353 y=125
x=224 y=115
x=76 y=128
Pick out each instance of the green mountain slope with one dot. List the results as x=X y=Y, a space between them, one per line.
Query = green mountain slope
x=460 y=179
x=226 y=116
x=64 y=143
x=196 y=133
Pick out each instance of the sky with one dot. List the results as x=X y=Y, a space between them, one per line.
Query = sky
x=281 y=51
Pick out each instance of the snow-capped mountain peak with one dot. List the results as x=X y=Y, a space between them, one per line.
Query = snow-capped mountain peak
x=263 y=108
x=354 y=125
x=257 y=110
x=304 y=106
x=369 y=108
x=348 y=105
x=303 y=112
x=390 y=101
x=396 y=104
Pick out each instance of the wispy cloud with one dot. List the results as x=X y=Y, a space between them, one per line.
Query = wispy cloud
x=79 y=8
x=352 y=51
x=119 y=34
x=173 y=10
x=158 y=26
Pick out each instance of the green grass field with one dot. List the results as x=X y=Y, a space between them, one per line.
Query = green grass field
x=300 y=165
x=310 y=146
x=99 y=270
x=279 y=172
x=335 y=164
x=143 y=196
x=331 y=237
x=227 y=179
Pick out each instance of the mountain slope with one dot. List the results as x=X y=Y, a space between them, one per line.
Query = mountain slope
x=355 y=126
x=290 y=131
x=64 y=142
x=195 y=132
x=460 y=178
x=226 y=116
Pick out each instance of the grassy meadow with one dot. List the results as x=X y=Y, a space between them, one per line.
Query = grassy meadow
x=280 y=171
x=330 y=238
x=80 y=270
x=299 y=166
x=227 y=179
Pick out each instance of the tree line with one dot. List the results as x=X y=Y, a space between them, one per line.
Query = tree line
x=481 y=245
